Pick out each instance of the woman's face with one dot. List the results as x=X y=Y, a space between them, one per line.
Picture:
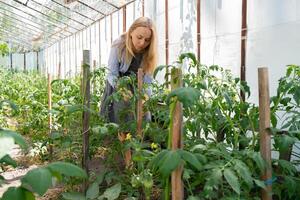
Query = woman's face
x=141 y=38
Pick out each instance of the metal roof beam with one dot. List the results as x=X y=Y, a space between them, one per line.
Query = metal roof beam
x=22 y=17
x=46 y=21
x=73 y=10
x=90 y=7
x=25 y=29
x=16 y=35
x=13 y=36
x=113 y=5
x=59 y=21
x=78 y=22
x=16 y=28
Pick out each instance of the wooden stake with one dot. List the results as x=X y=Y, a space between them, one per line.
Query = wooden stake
x=86 y=115
x=50 y=118
x=140 y=103
x=167 y=41
x=177 y=143
x=265 y=134
x=243 y=45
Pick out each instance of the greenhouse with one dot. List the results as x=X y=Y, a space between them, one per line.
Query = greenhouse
x=149 y=99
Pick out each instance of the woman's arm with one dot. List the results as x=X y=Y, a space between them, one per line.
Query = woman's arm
x=113 y=66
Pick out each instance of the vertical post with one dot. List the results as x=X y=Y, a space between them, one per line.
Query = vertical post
x=37 y=61
x=59 y=70
x=198 y=30
x=264 y=124
x=111 y=29
x=140 y=103
x=94 y=64
x=99 y=44
x=86 y=115
x=50 y=117
x=143 y=8
x=167 y=40
x=24 y=61
x=75 y=52
x=70 y=65
x=177 y=143
x=243 y=45
x=11 y=61
x=93 y=83
x=124 y=18
x=59 y=59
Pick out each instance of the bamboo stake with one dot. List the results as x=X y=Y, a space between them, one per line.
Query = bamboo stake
x=265 y=134
x=140 y=103
x=177 y=143
x=86 y=114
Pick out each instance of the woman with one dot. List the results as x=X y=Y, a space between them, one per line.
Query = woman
x=134 y=49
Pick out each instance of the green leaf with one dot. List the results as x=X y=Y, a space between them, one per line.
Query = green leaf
x=244 y=172
x=8 y=160
x=232 y=180
x=188 y=55
x=155 y=162
x=55 y=135
x=159 y=68
x=28 y=195
x=227 y=98
x=14 y=193
x=113 y=192
x=190 y=158
x=93 y=191
x=291 y=185
x=259 y=183
x=39 y=180
x=273 y=119
x=73 y=108
x=17 y=137
x=169 y=163
x=186 y=95
x=285 y=142
x=258 y=159
x=214 y=178
x=288 y=167
x=100 y=177
x=193 y=198
x=10 y=103
x=296 y=95
x=73 y=196
x=67 y=169
x=289 y=70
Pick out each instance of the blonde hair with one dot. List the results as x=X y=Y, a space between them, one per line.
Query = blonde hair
x=150 y=54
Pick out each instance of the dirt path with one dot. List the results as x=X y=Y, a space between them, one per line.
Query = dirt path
x=13 y=175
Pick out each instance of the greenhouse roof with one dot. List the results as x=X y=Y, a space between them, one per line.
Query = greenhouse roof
x=36 y=24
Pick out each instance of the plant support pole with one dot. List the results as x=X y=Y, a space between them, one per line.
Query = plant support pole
x=264 y=125
x=167 y=41
x=140 y=103
x=86 y=114
x=243 y=45
x=177 y=184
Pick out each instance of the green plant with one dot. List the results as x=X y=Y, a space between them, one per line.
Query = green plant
x=38 y=180
x=4 y=50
